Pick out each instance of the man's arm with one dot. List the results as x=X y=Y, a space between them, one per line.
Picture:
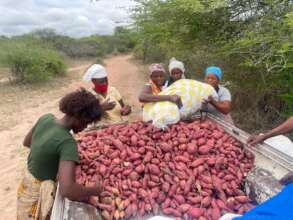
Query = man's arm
x=284 y=128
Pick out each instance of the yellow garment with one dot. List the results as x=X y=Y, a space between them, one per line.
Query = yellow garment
x=155 y=89
x=191 y=92
x=114 y=115
x=35 y=198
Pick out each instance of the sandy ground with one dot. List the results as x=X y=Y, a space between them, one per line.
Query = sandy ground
x=22 y=105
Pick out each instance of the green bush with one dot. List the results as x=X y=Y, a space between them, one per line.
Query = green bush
x=33 y=63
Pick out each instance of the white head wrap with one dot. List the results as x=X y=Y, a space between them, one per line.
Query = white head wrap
x=96 y=71
x=173 y=63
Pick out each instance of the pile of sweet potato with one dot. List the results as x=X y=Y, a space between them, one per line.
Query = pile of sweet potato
x=189 y=171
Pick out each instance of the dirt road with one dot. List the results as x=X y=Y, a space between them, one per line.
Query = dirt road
x=21 y=106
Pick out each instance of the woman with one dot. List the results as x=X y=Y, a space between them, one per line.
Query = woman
x=150 y=92
x=109 y=96
x=53 y=151
x=222 y=107
x=176 y=70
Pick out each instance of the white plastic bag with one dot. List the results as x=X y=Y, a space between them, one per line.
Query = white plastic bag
x=229 y=216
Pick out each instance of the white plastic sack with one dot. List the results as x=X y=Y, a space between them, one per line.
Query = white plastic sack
x=159 y=218
x=229 y=216
x=281 y=143
x=192 y=93
x=58 y=206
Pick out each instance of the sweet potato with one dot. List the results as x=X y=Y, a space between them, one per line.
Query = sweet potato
x=222 y=205
x=242 y=199
x=117 y=143
x=167 y=211
x=161 y=197
x=204 y=149
x=191 y=148
x=166 y=147
x=140 y=168
x=183 y=208
x=216 y=213
x=182 y=147
x=195 y=212
x=166 y=203
x=141 y=150
x=153 y=169
x=134 y=140
x=172 y=190
x=180 y=199
x=198 y=162
x=167 y=157
x=136 y=184
x=182 y=140
x=127 y=171
x=188 y=185
x=134 y=176
x=165 y=187
x=148 y=157
x=206 y=179
x=155 y=178
x=182 y=159
x=180 y=166
x=211 y=161
x=152 y=184
x=201 y=141
x=102 y=169
x=134 y=156
x=141 y=209
x=206 y=201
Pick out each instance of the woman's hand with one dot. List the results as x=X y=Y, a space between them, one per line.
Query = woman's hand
x=108 y=105
x=222 y=106
x=210 y=100
x=255 y=139
x=176 y=100
x=126 y=110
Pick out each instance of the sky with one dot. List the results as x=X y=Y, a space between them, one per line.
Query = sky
x=76 y=18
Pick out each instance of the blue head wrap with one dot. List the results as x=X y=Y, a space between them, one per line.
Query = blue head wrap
x=214 y=70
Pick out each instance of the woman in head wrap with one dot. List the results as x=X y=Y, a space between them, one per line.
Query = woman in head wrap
x=176 y=70
x=222 y=107
x=150 y=92
x=109 y=96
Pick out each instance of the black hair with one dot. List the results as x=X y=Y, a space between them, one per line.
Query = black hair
x=82 y=105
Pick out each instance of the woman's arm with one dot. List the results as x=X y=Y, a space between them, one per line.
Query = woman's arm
x=223 y=106
x=69 y=188
x=125 y=109
x=147 y=96
x=28 y=138
x=284 y=128
x=122 y=104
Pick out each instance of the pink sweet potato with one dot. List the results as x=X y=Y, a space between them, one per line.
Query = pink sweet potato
x=195 y=212
x=204 y=149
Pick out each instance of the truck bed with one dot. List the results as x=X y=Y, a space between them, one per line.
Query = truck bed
x=261 y=183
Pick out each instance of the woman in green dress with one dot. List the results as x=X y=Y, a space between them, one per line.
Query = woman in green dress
x=54 y=155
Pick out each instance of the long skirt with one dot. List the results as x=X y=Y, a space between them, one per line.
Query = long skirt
x=35 y=198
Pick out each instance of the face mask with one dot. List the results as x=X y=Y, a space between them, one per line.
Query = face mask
x=101 y=88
